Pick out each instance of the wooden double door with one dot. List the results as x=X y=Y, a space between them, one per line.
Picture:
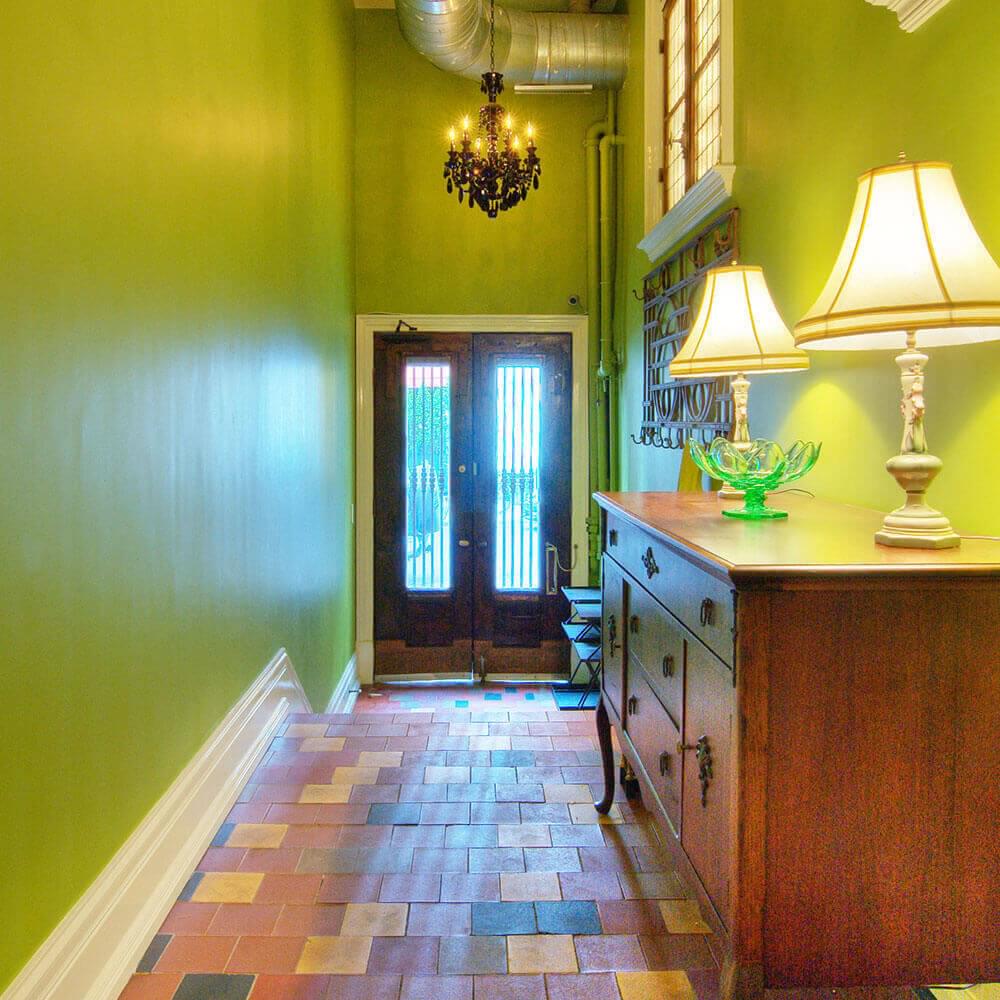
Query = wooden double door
x=472 y=502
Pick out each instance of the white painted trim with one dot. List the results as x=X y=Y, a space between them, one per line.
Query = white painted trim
x=911 y=13
x=96 y=947
x=345 y=694
x=367 y=326
x=679 y=217
x=701 y=201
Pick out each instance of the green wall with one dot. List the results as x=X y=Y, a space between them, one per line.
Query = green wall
x=823 y=92
x=176 y=363
x=420 y=251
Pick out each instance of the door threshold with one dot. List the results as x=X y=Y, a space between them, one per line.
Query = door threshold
x=426 y=679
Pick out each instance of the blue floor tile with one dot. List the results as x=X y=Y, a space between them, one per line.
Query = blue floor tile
x=493 y=696
x=219 y=840
x=394 y=813
x=192 y=883
x=214 y=987
x=461 y=703
x=153 y=953
x=503 y=918
x=569 y=917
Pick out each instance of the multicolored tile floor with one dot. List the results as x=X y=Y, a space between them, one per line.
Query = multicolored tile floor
x=439 y=843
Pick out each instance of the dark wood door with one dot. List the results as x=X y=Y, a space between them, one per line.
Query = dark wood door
x=472 y=502
x=522 y=488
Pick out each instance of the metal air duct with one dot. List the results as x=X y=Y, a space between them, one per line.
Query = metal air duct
x=536 y=48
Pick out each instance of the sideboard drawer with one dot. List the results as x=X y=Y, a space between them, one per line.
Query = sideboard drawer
x=612 y=634
x=702 y=602
x=656 y=739
x=708 y=797
x=656 y=640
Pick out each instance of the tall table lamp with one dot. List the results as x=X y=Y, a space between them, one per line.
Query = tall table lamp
x=912 y=266
x=737 y=332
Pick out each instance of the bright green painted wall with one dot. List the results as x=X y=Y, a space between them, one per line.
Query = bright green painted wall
x=824 y=91
x=418 y=249
x=176 y=330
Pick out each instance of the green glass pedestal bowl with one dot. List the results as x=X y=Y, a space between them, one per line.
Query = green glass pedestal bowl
x=757 y=468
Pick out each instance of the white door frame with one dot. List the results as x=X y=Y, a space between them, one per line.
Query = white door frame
x=370 y=324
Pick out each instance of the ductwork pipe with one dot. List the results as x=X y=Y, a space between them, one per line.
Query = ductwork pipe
x=530 y=47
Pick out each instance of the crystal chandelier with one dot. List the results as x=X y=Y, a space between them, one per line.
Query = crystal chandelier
x=488 y=170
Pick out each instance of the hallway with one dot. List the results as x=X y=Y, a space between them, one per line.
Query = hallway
x=436 y=844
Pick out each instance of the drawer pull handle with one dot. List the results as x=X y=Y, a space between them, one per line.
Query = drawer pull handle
x=707 y=611
x=703 y=754
x=664 y=763
x=632 y=705
x=649 y=561
x=613 y=537
x=612 y=635
x=633 y=624
x=668 y=665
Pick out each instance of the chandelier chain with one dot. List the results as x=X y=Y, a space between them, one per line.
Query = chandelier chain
x=492 y=36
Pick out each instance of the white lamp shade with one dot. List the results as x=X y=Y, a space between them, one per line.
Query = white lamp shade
x=911 y=261
x=737 y=329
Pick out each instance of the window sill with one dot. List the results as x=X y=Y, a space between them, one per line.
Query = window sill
x=911 y=13
x=709 y=194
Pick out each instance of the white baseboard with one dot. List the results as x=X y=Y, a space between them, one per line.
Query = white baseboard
x=345 y=694
x=96 y=947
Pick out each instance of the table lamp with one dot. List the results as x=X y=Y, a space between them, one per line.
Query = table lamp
x=737 y=331
x=912 y=265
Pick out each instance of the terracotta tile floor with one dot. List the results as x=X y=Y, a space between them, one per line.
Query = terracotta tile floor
x=436 y=844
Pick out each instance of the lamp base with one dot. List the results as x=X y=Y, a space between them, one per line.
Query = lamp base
x=916 y=525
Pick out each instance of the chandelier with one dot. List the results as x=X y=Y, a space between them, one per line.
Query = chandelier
x=488 y=170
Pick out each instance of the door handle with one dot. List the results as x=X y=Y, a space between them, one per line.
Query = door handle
x=464 y=543
x=668 y=665
x=632 y=705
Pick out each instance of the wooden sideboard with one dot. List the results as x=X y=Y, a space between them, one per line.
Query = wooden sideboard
x=815 y=722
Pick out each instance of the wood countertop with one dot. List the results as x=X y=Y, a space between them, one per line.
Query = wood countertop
x=819 y=538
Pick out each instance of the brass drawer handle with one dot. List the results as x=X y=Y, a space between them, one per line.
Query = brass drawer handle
x=664 y=763
x=707 y=611
x=612 y=635
x=668 y=665
x=649 y=561
x=632 y=705
x=703 y=754
x=633 y=624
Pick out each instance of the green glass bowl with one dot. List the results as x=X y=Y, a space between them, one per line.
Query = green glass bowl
x=757 y=469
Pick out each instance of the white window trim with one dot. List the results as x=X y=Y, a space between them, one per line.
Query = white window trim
x=911 y=13
x=664 y=231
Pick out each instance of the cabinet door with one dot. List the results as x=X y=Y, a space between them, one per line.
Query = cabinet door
x=612 y=633
x=708 y=799
x=656 y=640
x=655 y=738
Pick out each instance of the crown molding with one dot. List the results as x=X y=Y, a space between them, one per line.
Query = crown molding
x=911 y=13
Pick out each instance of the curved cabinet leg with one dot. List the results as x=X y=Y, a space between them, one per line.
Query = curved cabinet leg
x=607 y=758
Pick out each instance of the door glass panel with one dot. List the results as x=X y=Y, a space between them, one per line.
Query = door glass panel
x=428 y=474
x=517 y=542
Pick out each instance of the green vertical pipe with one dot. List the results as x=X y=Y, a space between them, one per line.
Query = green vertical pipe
x=608 y=369
x=598 y=423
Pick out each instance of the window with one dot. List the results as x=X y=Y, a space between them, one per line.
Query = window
x=688 y=118
x=519 y=423
x=692 y=75
x=428 y=475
